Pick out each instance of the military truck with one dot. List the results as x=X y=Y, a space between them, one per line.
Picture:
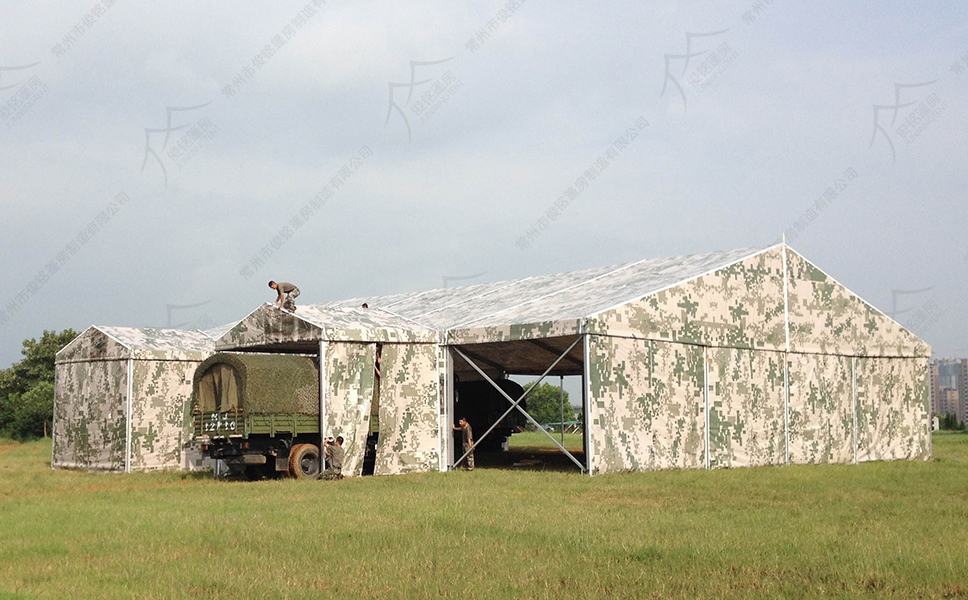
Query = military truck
x=259 y=413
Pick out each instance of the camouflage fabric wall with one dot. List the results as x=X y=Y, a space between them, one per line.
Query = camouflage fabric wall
x=409 y=420
x=160 y=415
x=892 y=409
x=90 y=402
x=647 y=406
x=746 y=408
x=349 y=393
x=508 y=333
x=739 y=306
x=825 y=317
x=821 y=409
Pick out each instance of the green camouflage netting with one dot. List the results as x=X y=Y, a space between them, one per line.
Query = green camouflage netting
x=270 y=383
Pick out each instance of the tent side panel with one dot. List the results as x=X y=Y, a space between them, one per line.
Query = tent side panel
x=89 y=425
x=821 y=409
x=893 y=409
x=827 y=318
x=160 y=414
x=349 y=394
x=409 y=410
x=646 y=407
x=739 y=306
x=746 y=397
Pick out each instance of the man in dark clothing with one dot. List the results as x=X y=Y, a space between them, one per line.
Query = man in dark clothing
x=336 y=455
x=468 y=438
x=290 y=291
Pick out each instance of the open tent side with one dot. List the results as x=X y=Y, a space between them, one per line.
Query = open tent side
x=346 y=341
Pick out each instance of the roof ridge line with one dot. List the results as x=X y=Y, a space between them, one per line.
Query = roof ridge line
x=680 y=282
x=571 y=287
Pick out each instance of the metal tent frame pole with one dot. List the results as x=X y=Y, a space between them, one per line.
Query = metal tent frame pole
x=515 y=404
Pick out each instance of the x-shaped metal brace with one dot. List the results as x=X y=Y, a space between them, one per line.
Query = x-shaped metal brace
x=515 y=404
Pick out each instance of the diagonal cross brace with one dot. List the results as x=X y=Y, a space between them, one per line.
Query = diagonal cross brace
x=515 y=405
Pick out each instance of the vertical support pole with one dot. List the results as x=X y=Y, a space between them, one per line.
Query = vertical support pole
x=586 y=402
x=447 y=406
x=705 y=397
x=53 y=419
x=128 y=405
x=853 y=385
x=322 y=398
x=561 y=400
x=786 y=354
x=786 y=406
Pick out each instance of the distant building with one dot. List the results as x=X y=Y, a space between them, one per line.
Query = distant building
x=935 y=382
x=963 y=387
x=951 y=404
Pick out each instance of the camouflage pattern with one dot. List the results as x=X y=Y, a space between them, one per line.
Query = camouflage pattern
x=746 y=408
x=409 y=410
x=821 y=409
x=162 y=344
x=646 y=409
x=893 y=409
x=268 y=326
x=160 y=420
x=510 y=333
x=827 y=318
x=269 y=383
x=90 y=405
x=547 y=299
x=349 y=393
x=738 y=306
x=91 y=399
x=92 y=344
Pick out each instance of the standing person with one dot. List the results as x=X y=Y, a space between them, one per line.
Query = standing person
x=468 y=439
x=336 y=453
x=291 y=292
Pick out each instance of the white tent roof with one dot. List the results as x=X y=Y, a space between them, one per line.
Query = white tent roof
x=547 y=297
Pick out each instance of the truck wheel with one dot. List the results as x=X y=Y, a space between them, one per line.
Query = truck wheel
x=304 y=461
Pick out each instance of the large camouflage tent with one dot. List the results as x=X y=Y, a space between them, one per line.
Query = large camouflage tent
x=404 y=398
x=738 y=358
x=122 y=399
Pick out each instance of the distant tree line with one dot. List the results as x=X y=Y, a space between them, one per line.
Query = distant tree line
x=27 y=388
x=544 y=404
x=950 y=421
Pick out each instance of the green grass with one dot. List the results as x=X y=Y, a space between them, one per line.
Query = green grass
x=528 y=440
x=876 y=530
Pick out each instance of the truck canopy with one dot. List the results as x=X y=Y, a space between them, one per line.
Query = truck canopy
x=257 y=384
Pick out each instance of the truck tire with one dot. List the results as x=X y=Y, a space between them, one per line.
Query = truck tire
x=304 y=461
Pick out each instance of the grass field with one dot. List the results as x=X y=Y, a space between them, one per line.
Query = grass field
x=876 y=530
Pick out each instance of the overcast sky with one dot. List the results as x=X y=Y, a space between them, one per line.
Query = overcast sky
x=539 y=137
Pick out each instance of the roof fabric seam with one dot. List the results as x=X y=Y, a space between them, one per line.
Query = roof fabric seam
x=91 y=360
x=472 y=298
x=406 y=319
x=803 y=352
x=678 y=283
x=569 y=288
